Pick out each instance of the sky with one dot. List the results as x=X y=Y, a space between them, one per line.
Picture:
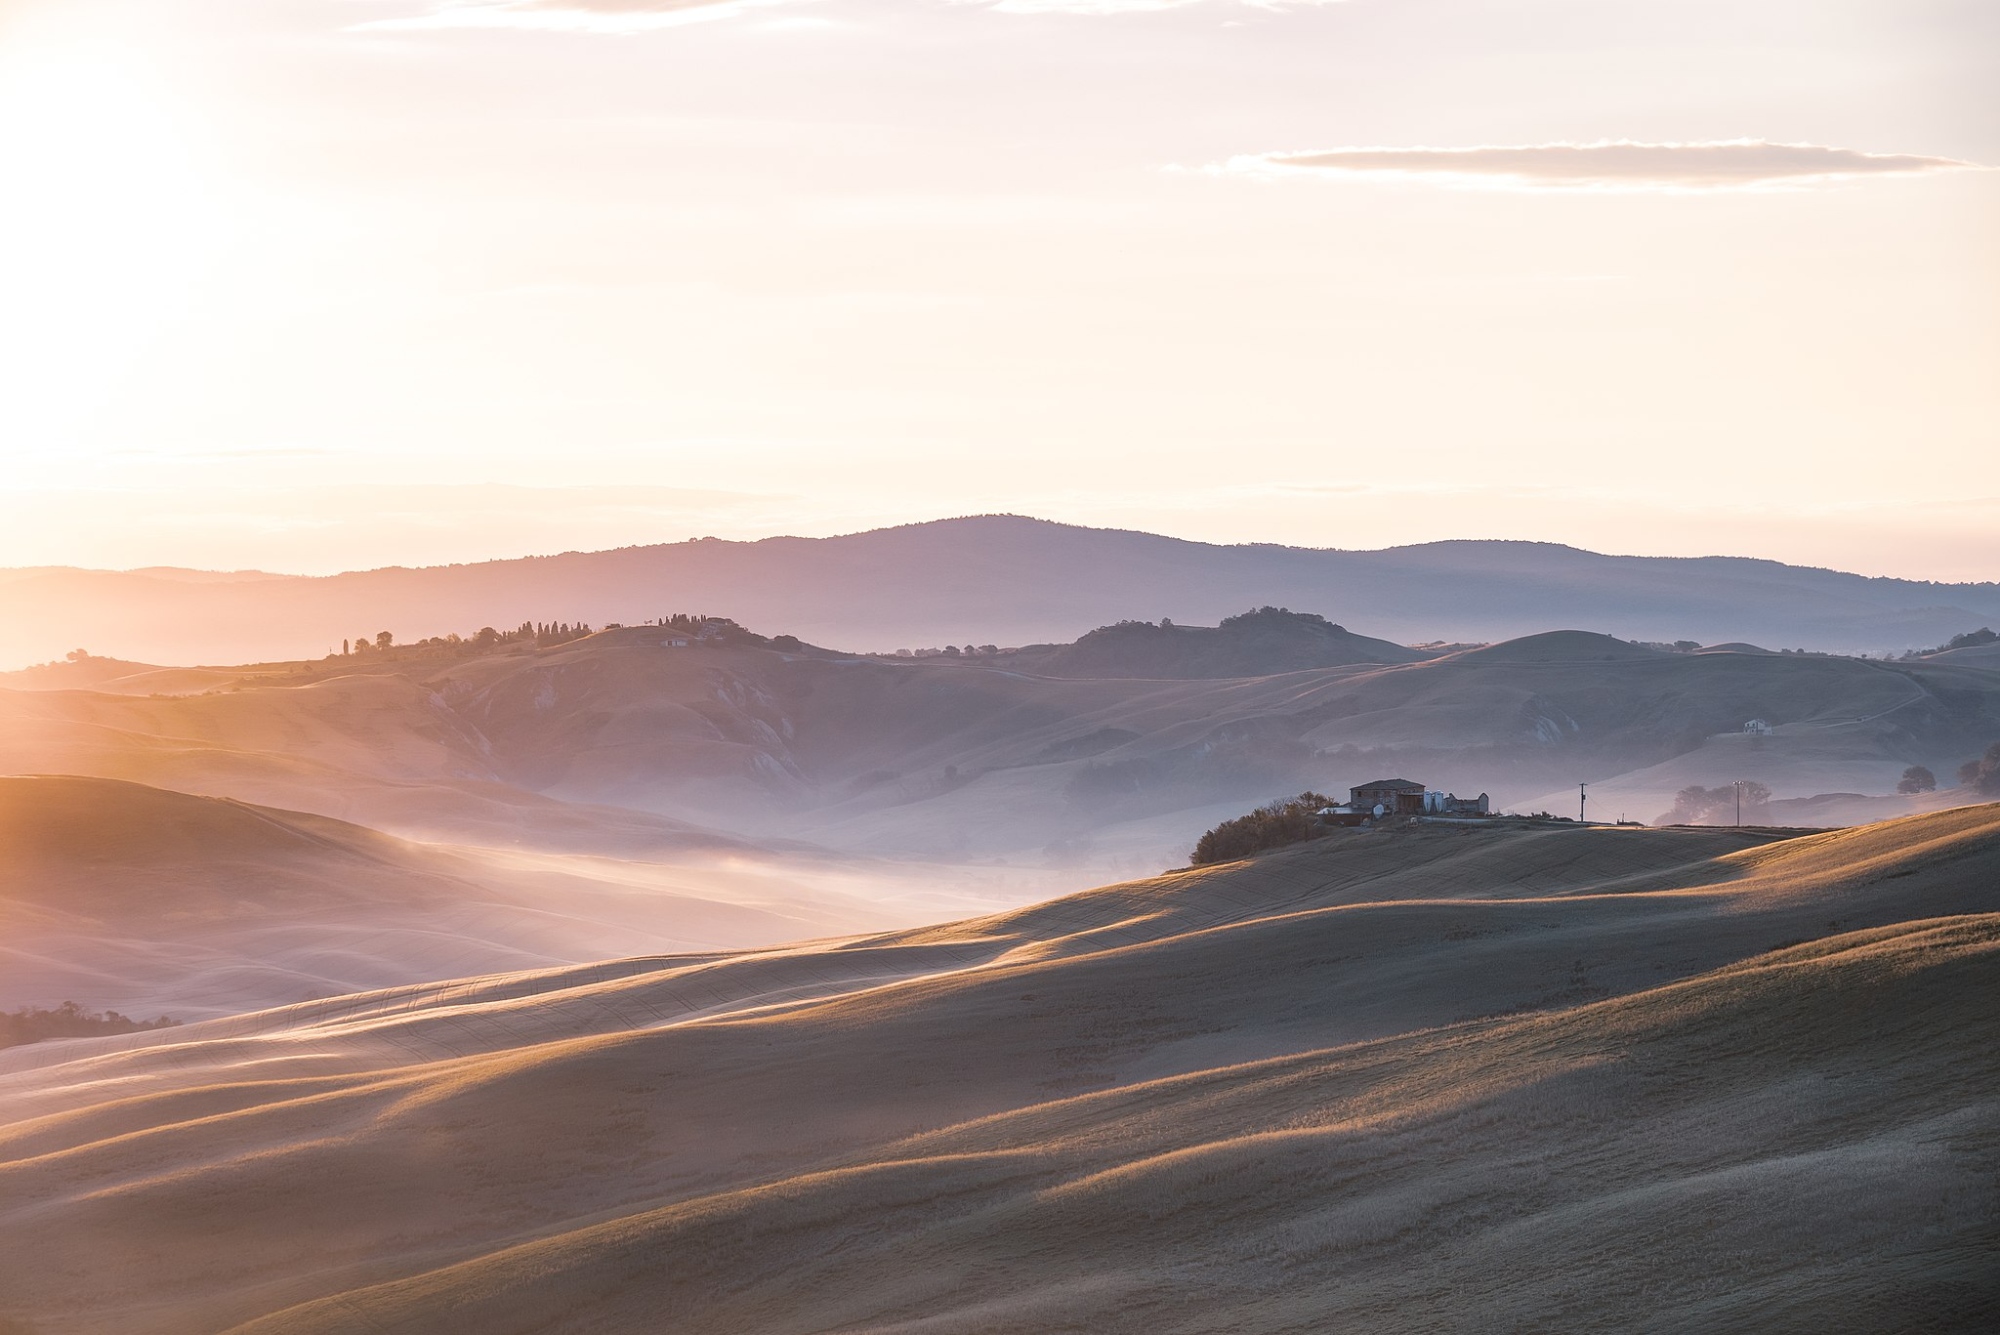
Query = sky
x=311 y=285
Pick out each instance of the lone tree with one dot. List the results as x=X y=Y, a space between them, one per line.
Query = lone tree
x=1917 y=779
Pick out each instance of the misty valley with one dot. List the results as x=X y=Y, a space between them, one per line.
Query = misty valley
x=1006 y=667
x=522 y=947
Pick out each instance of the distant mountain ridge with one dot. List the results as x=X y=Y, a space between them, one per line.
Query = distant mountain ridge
x=990 y=579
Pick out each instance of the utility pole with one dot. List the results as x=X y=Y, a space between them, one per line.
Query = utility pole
x=1579 y=805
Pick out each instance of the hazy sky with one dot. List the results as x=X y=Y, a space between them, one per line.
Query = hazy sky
x=314 y=284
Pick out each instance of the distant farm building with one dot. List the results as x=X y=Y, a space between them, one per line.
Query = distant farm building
x=1401 y=797
x=1393 y=796
x=1757 y=727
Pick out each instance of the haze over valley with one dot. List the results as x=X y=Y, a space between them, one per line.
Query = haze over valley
x=1016 y=667
x=682 y=967
x=390 y=815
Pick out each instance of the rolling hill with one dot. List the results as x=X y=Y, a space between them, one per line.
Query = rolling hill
x=119 y=895
x=991 y=579
x=1438 y=1078
x=1250 y=644
x=620 y=743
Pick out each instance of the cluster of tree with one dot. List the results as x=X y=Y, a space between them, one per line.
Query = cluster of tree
x=1982 y=776
x=1273 y=825
x=1283 y=616
x=1746 y=799
x=950 y=651
x=559 y=632
x=32 y=1024
x=484 y=640
x=1675 y=647
x=546 y=634
x=1971 y=639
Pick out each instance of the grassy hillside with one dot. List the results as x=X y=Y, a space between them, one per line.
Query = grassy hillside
x=1443 y=1078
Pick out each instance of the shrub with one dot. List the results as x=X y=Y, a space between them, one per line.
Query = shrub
x=1273 y=825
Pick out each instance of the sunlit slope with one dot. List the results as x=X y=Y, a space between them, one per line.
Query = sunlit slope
x=141 y=899
x=1445 y=1080
x=117 y=677
x=1670 y=1161
x=378 y=749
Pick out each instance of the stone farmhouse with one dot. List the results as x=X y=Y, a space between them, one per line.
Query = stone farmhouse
x=1404 y=797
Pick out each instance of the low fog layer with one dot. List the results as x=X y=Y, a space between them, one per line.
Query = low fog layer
x=656 y=742
x=148 y=901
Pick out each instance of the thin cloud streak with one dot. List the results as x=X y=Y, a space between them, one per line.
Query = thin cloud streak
x=586 y=16
x=1087 y=7
x=1623 y=164
x=628 y=16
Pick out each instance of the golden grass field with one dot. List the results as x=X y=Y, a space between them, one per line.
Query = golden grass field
x=1440 y=1079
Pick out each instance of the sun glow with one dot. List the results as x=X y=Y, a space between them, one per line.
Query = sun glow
x=111 y=227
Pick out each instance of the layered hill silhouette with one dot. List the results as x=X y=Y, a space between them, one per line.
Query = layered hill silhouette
x=991 y=579
x=1430 y=1078
x=639 y=742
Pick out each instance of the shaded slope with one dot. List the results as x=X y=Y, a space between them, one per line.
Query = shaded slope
x=1251 y=644
x=1302 y=1093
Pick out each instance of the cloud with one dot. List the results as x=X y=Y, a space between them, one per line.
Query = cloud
x=1607 y=165
x=599 y=16
x=1086 y=6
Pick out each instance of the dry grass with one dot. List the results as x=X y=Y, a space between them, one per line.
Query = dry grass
x=1460 y=1081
